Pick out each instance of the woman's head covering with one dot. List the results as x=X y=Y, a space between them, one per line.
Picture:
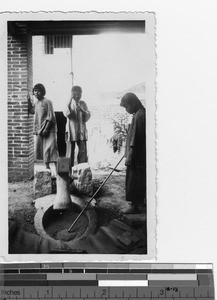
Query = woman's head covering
x=130 y=99
x=77 y=88
x=39 y=87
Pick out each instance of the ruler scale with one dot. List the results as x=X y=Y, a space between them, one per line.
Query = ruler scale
x=115 y=281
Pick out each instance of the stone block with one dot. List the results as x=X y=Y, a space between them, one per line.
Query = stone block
x=42 y=183
x=63 y=165
x=82 y=176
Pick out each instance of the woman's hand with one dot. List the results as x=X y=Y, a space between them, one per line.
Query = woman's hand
x=30 y=103
x=79 y=108
x=129 y=158
x=128 y=161
x=44 y=133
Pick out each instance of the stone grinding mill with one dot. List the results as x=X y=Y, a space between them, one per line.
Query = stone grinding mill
x=64 y=218
x=56 y=212
x=62 y=200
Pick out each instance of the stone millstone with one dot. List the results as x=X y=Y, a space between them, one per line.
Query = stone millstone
x=42 y=184
x=82 y=176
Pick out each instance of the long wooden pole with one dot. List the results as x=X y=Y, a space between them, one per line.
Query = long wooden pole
x=71 y=58
x=70 y=228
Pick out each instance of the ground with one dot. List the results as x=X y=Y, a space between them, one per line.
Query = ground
x=108 y=202
x=21 y=206
x=109 y=199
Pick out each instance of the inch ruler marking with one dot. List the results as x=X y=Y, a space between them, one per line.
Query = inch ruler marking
x=109 y=293
x=106 y=281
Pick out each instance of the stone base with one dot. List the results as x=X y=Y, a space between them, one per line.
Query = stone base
x=42 y=183
x=45 y=203
x=82 y=179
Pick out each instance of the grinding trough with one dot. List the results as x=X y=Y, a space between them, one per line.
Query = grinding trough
x=64 y=219
x=53 y=224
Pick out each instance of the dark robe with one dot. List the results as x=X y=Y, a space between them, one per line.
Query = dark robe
x=136 y=172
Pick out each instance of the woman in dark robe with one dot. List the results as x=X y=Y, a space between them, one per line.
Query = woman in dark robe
x=45 y=128
x=135 y=154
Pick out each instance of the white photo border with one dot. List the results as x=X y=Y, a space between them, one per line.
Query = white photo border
x=149 y=17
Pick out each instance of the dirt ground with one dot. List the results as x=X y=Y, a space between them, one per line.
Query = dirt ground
x=21 y=206
x=109 y=200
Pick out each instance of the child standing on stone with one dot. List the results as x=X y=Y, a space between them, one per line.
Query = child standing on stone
x=45 y=128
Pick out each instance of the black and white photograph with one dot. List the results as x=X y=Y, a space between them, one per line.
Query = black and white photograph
x=164 y=52
x=81 y=135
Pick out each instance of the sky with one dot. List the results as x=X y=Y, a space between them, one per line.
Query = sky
x=103 y=63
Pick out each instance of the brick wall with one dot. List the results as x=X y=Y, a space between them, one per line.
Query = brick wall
x=20 y=124
x=102 y=113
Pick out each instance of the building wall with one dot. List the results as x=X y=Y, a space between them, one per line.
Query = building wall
x=20 y=124
x=101 y=130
